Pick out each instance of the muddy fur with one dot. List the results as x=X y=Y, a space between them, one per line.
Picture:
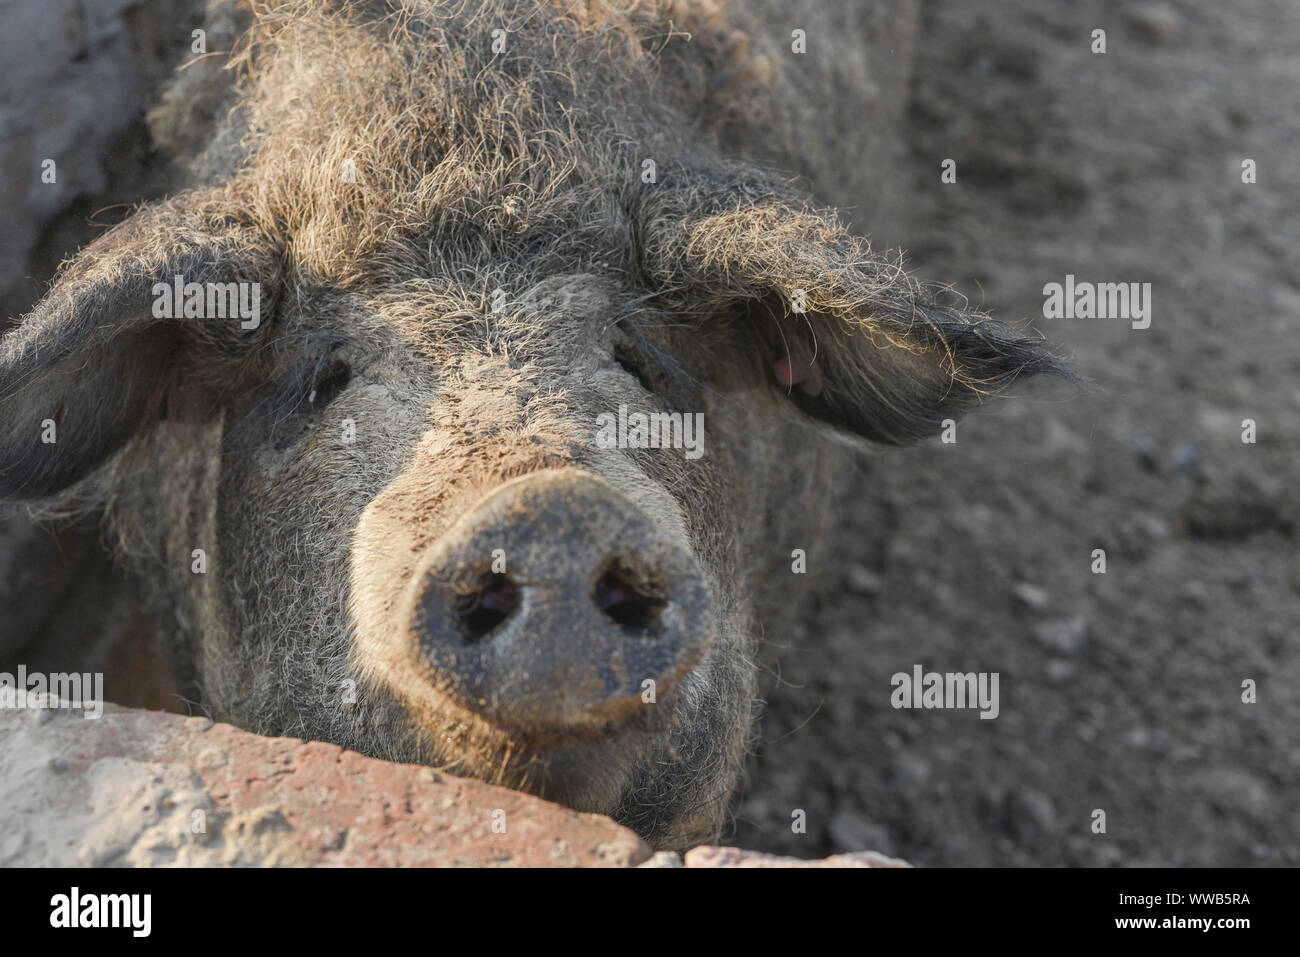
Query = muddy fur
x=382 y=172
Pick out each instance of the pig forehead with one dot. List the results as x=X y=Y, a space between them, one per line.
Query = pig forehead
x=451 y=467
x=513 y=295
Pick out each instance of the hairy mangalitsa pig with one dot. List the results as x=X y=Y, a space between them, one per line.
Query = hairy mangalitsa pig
x=466 y=403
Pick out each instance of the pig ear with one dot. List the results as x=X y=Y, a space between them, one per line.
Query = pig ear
x=92 y=363
x=857 y=343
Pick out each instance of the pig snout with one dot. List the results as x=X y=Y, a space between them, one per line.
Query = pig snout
x=555 y=603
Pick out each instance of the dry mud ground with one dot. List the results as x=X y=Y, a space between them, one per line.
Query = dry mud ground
x=1123 y=691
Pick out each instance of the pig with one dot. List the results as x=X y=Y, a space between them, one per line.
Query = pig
x=366 y=404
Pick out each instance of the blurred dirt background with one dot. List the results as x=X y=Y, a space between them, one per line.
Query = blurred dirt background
x=78 y=77
x=1119 y=692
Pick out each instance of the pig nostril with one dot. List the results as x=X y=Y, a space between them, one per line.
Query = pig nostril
x=480 y=612
x=628 y=598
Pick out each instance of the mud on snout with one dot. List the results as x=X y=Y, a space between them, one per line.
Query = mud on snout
x=554 y=638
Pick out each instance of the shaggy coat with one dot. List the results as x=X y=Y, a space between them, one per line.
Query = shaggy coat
x=474 y=227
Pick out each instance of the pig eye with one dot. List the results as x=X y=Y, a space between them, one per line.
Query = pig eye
x=628 y=361
x=332 y=381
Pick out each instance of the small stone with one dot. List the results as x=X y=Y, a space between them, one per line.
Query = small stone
x=1059 y=670
x=1151 y=527
x=1144 y=450
x=1027 y=813
x=862 y=581
x=664 y=859
x=1065 y=635
x=1186 y=457
x=1154 y=22
x=707 y=856
x=912 y=772
x=1196 y=593
x=1031 y=595
x=1234 y=505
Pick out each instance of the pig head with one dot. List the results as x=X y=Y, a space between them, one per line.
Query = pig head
x=399 y=499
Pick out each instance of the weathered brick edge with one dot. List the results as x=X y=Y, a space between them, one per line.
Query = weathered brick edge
x=148 y=789
x=130 y=788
